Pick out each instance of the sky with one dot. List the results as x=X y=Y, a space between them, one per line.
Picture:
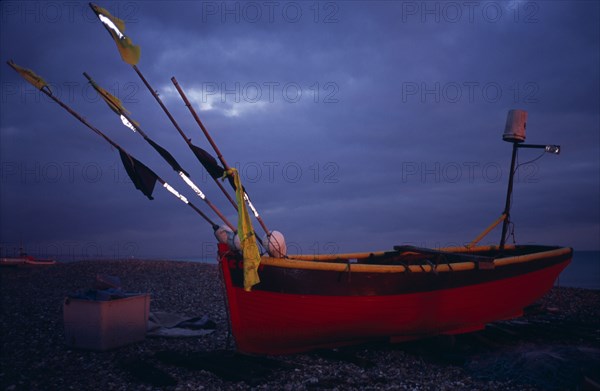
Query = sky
x=356 y=126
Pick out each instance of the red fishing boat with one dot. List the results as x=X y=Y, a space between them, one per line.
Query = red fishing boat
x=304 y=303
x=309 y=302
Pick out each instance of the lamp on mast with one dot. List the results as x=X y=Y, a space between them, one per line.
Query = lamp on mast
x=514 y=132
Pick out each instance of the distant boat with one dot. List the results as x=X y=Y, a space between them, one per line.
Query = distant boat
x=24 y=259
x=309 y=302
x=39 y=262
x=12 y=261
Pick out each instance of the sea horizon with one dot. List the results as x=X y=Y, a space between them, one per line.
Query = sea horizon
x=582 y=272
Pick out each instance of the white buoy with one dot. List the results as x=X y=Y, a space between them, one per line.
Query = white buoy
x=222 y=234
x=226 y=236
x=275 y=243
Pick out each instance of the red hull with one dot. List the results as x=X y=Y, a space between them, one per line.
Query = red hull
x=274 y=323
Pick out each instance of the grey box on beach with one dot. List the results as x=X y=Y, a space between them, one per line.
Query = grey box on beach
x=105 y=325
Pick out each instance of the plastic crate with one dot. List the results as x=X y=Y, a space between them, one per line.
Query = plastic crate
x=105 y=325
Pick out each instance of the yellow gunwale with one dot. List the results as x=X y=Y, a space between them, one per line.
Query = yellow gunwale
x=362 y=255
x=319 y=262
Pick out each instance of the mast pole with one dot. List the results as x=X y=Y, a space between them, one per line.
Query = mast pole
x=176 y=125
x=509 y=195
x=217 y=151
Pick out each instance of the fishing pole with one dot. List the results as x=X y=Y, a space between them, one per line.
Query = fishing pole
x=130 y=54
x=142 y=177
x=217 y=151
x=115 y=104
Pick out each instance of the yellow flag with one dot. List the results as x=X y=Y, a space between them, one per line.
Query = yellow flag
x=112 y=101
x=29 y=75
x=246 y=234
x=130 y=53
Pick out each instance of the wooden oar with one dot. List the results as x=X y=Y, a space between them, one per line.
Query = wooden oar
x=482 y=261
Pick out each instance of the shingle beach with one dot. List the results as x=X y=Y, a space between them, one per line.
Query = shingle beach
x=556 y=345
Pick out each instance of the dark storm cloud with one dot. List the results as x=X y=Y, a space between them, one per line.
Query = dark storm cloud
x=356 y=125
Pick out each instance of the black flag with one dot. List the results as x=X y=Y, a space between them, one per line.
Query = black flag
x=142 y=177
x=167 y=156
x=209 y=162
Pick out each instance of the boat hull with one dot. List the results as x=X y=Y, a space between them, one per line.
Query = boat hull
x=26 y=261
x=11 y=261
x=280 y=318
